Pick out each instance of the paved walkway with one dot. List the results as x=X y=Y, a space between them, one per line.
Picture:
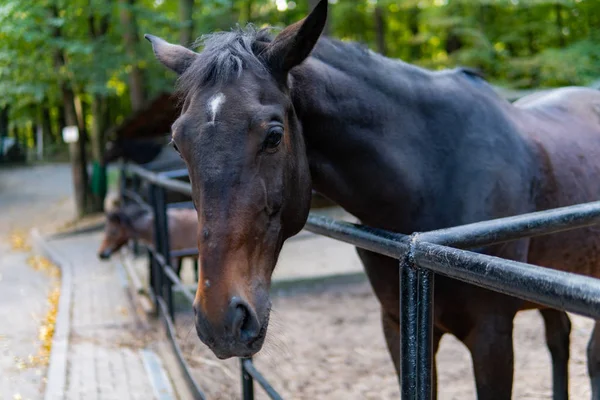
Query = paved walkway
x=23 y=306
x=40 y=196
x=109 y=352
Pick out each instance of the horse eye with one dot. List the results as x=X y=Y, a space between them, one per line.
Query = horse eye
x=273 y=137
x=175 y=146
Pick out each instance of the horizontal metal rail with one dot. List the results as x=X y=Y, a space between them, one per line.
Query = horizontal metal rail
x=181 y=204
x=136 y=198
x=558 y=289
x=175 y=173
x=191 y=252
x=155 y=179
x=172 y=276
x=391 y=244
x=191 y=382
x=511 y=228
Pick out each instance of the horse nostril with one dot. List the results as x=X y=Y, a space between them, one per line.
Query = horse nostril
x=244 y=322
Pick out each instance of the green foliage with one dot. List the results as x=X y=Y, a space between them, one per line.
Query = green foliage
x=517 y=43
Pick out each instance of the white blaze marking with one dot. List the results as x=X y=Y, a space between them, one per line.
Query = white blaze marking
x=215 y=103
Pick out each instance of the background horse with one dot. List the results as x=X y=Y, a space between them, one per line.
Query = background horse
x=399 y=147
x=134 y=222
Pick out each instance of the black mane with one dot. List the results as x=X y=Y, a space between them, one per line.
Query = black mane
x=225 y=55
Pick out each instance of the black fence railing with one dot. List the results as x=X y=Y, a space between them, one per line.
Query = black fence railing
x=420 y=256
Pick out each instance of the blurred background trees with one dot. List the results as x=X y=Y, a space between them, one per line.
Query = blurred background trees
x=82 y=62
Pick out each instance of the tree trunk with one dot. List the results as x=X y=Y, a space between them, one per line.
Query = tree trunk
x=534 y=71
x=77 y=149
x=3 y=129
x=98 y=27
x=380 y=29
x=130 y=38
x=45 y=131
x=413 y=26
x=186 y=14
x=99 y=125
x=61 y=120
x=246 y=7
x=559 y=25
x=49 y=136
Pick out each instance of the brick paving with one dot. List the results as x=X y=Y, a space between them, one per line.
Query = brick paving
x=104 y=359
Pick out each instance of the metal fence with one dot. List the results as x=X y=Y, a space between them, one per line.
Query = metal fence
x=420 y=257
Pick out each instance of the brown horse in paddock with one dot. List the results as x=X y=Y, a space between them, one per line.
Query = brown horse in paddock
x=134 y=222
x=402 y=148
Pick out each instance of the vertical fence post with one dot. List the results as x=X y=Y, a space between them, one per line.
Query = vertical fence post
x=162 y=223
x=157 y=270
x=247 y=382
x=416 y=326
x=122 y=181
x=424 y=333
x=135 y=187
x=409 y=285
x=152 y=273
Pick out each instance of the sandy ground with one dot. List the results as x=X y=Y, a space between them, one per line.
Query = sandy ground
x=29 y=196
x=328 y=344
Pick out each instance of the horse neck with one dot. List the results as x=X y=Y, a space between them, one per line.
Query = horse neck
x=346 y=122
x=143 y=228
x=385 y=140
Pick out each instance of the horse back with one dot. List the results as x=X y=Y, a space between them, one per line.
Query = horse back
x=563 y=127
x=183 y=228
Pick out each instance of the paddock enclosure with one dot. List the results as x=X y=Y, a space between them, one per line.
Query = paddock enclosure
x=303 y=360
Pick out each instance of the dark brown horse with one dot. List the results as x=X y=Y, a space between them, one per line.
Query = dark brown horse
x=125 y=223
x=266 y=119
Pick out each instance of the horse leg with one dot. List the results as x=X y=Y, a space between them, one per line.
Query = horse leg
x=593 y=355
x=558 y=328
x=384 y=276
x=391 y=331
x=491 y=346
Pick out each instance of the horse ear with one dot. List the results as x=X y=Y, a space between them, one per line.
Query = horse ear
x=172 y=56
x=295 y=43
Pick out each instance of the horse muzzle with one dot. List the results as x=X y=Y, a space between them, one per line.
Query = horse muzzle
x=240 y=333
x=105 y=254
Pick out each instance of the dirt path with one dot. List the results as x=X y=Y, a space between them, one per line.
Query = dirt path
x=30 y=196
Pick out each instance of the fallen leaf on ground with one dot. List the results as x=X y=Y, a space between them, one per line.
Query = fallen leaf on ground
x=40 y=263
x=18 y=241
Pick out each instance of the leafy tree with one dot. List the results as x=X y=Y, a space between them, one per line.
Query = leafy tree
x=84 y=63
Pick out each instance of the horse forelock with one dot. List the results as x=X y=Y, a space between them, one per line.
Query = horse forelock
x=223 y=57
